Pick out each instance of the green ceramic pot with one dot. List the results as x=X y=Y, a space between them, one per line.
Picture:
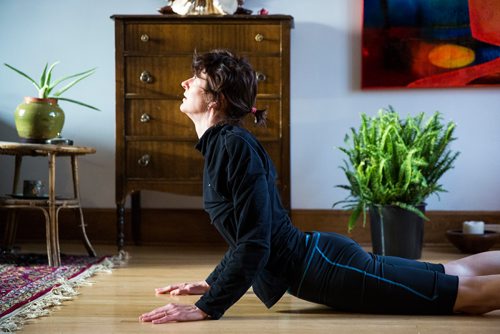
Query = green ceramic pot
x=38 y=119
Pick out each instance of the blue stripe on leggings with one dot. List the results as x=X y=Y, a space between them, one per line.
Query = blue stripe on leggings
x=316 y=248
x=310 y=259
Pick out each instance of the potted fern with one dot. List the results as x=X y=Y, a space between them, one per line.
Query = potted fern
x=40 y=118
x=392 y=166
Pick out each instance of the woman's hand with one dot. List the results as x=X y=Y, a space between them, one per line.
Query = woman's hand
x=174 y=313
x=194 y=288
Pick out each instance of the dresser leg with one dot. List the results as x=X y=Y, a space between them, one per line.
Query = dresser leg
x=120 y=225
x=136 y=217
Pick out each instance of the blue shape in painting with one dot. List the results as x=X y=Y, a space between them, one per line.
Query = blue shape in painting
x=443 y=13
x=416 y=13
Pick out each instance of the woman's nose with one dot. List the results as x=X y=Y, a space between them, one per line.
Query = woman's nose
x=187 y=83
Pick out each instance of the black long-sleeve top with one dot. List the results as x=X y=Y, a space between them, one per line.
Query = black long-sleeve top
x=241 y=198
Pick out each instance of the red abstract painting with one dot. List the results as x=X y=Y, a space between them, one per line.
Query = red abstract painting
x=430 y=43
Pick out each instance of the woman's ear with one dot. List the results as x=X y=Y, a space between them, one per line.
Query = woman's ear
x=213 y=105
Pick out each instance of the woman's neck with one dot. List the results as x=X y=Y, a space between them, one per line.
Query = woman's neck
x=205 y=122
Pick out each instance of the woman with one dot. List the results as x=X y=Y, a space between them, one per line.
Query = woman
x=268 y=253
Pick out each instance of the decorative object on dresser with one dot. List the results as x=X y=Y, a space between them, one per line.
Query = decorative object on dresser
x=204 y=7
x=40 y=118
x=154 y=140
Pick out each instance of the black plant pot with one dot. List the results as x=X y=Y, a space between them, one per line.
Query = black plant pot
x=399 y=233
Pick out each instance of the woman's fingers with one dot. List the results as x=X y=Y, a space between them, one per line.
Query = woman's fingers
x=165 y=289
x=173 y=313
x=183 y=290
x=197 y=288
x=157 y=313
x=174 y=290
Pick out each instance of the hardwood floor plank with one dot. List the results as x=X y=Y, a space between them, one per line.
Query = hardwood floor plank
x=114 y=303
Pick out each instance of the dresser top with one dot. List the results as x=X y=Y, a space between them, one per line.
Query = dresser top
x=175 y=17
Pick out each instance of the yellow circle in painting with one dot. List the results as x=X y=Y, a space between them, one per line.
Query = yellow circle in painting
x=451 y=56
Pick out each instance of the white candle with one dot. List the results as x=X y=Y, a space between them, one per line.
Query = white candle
x=473 y=227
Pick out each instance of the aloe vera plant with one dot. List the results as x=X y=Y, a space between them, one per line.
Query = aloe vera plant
x=393 y=161
x=46 y=85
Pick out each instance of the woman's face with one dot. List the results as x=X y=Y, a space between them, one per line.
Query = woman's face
x=195 y=98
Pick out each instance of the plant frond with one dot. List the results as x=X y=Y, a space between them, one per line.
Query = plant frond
x=80 y=76
x=394 y=161
x=23 y=74
x=77 y=102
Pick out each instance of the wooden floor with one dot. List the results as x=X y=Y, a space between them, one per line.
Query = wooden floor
x=114 y=302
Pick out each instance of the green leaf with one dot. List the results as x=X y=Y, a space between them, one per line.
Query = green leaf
x=81 y=76
x=24 y=75
x=44 y=73
x=49 y=77
x=77 y=102
x=354 y=217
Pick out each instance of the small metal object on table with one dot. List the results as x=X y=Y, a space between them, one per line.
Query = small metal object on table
x=50 y=205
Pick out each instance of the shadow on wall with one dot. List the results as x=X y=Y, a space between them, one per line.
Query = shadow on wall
x=32 y=168
x=355 y=13
x=322 y=59
x=7 y=133
x=314 y=65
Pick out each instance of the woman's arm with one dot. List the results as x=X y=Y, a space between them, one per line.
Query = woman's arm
x=250 y=225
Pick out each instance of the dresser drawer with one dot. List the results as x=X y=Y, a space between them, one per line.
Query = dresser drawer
x=176 y=161
x=166 y=160
x=162 y=76
x=182 y=38
x=163 y=118
x=158 y=118
x=157 y=76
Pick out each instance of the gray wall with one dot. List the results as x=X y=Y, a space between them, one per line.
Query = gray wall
x=326 y=99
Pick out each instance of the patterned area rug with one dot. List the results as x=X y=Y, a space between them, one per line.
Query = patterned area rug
x=29 y=287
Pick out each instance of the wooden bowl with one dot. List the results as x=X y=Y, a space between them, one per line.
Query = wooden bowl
x=473 y=243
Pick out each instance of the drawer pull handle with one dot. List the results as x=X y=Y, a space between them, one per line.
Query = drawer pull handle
x=145 y=38
x=144 y=160
x=260 y=76
x=146 y=77
x=145 y=118
x=259 y=37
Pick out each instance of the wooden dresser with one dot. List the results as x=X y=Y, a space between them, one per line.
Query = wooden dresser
x=154 y=140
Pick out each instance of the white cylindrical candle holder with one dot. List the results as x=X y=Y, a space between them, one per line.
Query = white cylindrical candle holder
x=473 y=227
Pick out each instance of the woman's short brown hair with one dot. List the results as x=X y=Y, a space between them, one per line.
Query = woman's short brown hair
x=231 y=82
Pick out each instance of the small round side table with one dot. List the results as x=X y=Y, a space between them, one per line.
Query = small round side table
x=50 y=205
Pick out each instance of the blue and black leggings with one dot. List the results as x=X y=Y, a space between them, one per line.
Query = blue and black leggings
x=337 y=272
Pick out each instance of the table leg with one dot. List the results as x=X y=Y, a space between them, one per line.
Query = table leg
x=11 y=226
x=76 y=194
x=10 y=231
x=17 y=172
x=53 y=230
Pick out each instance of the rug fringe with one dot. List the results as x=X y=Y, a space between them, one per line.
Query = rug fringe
x=63 y=291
